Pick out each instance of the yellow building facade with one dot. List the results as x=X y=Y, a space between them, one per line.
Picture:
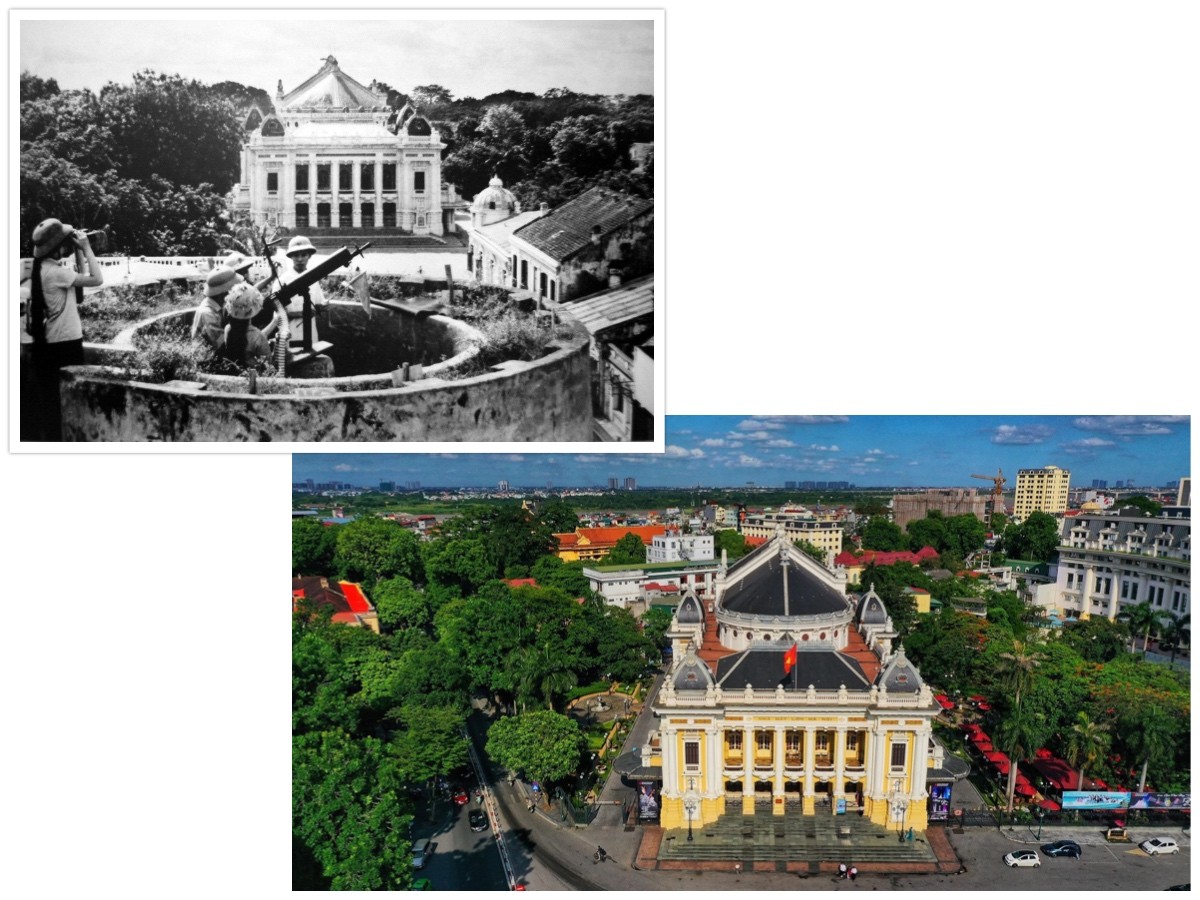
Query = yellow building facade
x=787 y=698
x=1041 y=490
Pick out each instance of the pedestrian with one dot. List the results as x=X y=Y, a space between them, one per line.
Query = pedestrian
x=853 y=872
x=52 y=317
x=841 y=870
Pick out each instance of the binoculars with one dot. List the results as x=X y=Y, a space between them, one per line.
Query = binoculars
x=98 y=239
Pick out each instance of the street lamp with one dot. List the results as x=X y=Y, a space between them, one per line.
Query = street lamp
x=900 y=805
x=1040 y=813
x=689 y=806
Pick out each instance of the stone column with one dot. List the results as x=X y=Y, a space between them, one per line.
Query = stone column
x=839 y=765
x=777 y=752
x=747 y=770
x=810 y=761
x=1085 y=592
x=356 y=187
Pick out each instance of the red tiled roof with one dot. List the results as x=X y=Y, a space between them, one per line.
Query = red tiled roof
x=857 y=650
x=884 y=558
x=567 y=229
x=608 y=537
x=522 y=582
x=355 y=597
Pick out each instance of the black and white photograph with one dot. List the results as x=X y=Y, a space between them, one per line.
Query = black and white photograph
x=372 y=229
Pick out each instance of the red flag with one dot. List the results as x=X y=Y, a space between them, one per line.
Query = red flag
x=789 y=659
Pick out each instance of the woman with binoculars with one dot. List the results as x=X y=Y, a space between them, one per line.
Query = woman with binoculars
x=52 y=317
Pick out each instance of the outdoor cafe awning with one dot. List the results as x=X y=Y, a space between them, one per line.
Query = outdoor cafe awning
x=1049 y=804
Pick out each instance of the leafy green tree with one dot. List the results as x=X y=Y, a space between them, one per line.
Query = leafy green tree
x=1143 y=619
x=400 y=605
x=1037 y=538
x=889 y=583
x=550 y=571
x=35 y=88
x=655 y=623
x=544 y=745
x=811 y=549
x=430 y=742
x=882 y=534
x=460 y=564
x=1087 y=741
x=509 y=535
x=583 y=146
x=965 y=534
x=1096 y=639
x=870 y=507
x=1177 y=631
x=927 y=532
x=1149 y=734
x=348 y=811
x=558 y=516
x=313 y=547
x=732 y=542
x=629 y=551
x=945 y=646
x=1018 y=736
x=370 y=549
x=543 y=671
x=1140 y=502
x=427 y=96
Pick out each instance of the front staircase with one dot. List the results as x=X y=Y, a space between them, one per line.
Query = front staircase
x=392 y=239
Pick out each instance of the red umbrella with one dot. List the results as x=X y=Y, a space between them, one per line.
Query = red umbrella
x=1049 y=804
x=1043 y=753
x=1025 y=790
x=984 y=707
x=979 y=737
x=1001 y=766
x=984 y=747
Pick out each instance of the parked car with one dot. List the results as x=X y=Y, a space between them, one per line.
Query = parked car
x=478 y=819
x=1155 y=846
x=461 y=796
x=1063 y=848
x=421 y=848
x=421 y=884
x=1022 y=858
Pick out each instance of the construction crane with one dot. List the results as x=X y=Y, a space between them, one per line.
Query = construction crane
x=997 y=492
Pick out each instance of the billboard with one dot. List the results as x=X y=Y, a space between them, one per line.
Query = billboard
x=1095 y=799
x=939 y=802
x=1161 y=801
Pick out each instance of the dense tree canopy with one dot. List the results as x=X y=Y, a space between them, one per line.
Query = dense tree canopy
x=882 y=534
x=1036 y=538
x=543 y=745
x=370 y=549
x=629 y=551
x=152 y=159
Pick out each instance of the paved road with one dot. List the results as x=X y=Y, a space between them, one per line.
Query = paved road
x=462 y=859
x=547 y=854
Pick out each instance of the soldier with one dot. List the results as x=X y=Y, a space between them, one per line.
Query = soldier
x=300 y=251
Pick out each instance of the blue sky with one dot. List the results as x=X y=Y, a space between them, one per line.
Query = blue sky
x=731 y=451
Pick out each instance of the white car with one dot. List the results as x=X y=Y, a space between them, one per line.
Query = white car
x=1022 y=858
x=1155 y=846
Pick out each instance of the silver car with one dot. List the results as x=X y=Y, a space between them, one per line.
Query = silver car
x=1022 y=858
x=1155 y=846
x=421 y=848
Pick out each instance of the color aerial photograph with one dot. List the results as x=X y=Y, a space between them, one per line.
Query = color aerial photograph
x=371 y=229
x=832 y=652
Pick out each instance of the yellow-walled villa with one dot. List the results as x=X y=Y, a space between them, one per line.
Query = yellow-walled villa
x=846 y=731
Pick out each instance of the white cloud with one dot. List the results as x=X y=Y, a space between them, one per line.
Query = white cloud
x=874 y=453
x=676 y=452
x=1130 y=426
x=1021 y=434
x=343 y=467
x=781 y=442
x=751 y=462
x=713 y=442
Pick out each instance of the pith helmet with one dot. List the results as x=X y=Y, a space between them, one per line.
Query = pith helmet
x=48 y=236
x=220 y=280
x=244 y=301
x=238 y=261
x=300 y=244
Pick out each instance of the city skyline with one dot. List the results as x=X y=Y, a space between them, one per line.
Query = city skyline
x=768 y=451
x=602 y=53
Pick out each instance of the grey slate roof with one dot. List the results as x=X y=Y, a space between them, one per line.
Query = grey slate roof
x=690 y=611
x=615 y=306
x=872 y=611
x=567 y=229
x=760 y=592
x=900 y=676
x=762 y=668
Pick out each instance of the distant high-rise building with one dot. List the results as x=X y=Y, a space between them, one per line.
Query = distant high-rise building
x=1042 y=490
x=631 y=484
x=613 y=484
x=789 y=485
x=1100 y=483
x=1184 y=497
x=387 y=486
x=309 y=482
x=504 y=487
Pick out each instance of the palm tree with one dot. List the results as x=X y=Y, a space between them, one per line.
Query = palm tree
x=1017 y=736
x=1142 y=618
x=1177 y=631
x=1150 y=738
x=1087 y=742
x=1018 y=667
